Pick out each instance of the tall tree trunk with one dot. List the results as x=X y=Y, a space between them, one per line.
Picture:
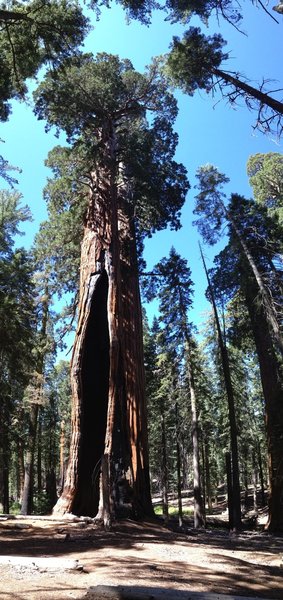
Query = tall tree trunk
x=207 y=473
x=254 y=477
x=249 y=90
x=231 y=410
x=20 y=468
x=108 y=470
x=164 y=469
x=27 y=497
x=199 y=518
x=62 y=468
x=261 y=478
x=246 y=476
x=39 y=454
x=271 y=378
x=35 y=400
x=230 y=499
x=178 y=454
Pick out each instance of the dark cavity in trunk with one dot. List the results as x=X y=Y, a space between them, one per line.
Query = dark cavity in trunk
x=95 y=385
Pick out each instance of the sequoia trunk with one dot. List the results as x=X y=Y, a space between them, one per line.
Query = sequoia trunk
x=107 y=473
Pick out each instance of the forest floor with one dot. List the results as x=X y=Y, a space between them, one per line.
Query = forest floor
x=144 y=555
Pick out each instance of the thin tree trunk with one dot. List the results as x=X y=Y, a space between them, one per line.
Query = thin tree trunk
x=250 y=90
x=261 y=478
x=164 y=470
x=207 y=473
x=230 y=491
x=179 y=481
x=231 y=409
x=199 y=516
x=62 y=455
x=39 y=455
x=255 y=484
x=198 y=502
x=27 y=497
x=20 y=469
x=246 y=478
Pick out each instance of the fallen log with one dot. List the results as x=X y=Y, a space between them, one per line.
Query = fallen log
x=104 y=592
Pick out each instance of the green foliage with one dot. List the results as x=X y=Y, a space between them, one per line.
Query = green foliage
x=107 y=96
x=57 y=245
x=34 y=34
x=84 y=91
x=11 y=215
x=192 y=60
x=17 y=321
x=5 y=169
x=171 y=283
x=266 y=178
x=210 y=203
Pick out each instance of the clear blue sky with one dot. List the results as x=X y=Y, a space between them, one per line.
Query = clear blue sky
x=209 y=131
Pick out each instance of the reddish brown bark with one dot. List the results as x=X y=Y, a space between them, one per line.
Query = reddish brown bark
x=107 y=473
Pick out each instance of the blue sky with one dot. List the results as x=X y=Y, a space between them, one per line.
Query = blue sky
x=209 y=131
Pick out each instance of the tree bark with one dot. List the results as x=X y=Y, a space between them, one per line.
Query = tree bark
x=108 y=472
x=250 y=90
x=230 y=499
x=27 y=496
x=271 y=378
x=179 y=482
x=199 y=519
x=164 y=470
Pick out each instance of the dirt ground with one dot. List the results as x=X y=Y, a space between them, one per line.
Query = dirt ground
x=137 y=554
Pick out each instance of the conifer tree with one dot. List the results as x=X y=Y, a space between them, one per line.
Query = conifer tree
x=128 y=186
x=172 y=283
x=17 y=328
x=233 y=273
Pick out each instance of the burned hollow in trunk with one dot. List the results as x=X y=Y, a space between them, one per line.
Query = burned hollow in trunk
x=94 y=388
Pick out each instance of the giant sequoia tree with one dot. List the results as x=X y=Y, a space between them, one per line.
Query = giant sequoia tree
x=129 y=185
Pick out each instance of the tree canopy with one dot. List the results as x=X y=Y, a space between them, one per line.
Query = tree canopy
x=33 y=34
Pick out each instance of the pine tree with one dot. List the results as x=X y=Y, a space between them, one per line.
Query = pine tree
x=172 y=283
x=233 y=273
x=193 y=63
x=17 y=327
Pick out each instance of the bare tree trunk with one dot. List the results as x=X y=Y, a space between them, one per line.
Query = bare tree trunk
x=207 y=474
x=255 y=484
x=198 y=501
x=39 y=455
x=62 y=467
x=261 y=478
x=179 y=482
x=27 y=497
x=249 y=90
x=229 y=491
x=164 y=468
